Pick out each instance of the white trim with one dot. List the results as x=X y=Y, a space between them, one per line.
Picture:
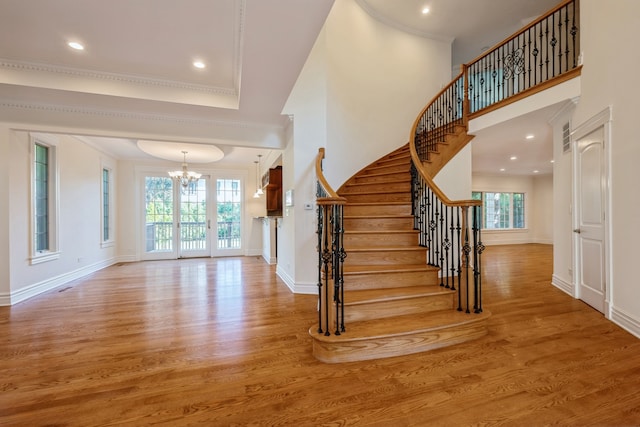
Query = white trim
x=626 y=321
x=253 y=252
x=269 y=260
x=24 y=66
x=563 y=285
x=296 y=288
x=52 y=283
x=288 y=280
x=602 y=119
x=137 y=116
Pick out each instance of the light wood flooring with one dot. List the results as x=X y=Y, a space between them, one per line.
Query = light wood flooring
x=223 y=342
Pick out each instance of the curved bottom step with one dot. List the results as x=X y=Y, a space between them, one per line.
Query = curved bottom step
x=397 y=336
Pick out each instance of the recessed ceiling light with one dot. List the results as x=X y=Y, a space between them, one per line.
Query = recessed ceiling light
x=536 y=171
x=199 y=64
x=513 y=158
x=552 y=161
x=502 y=169
x=425 y=10
x=75 y=45
x=530 y=136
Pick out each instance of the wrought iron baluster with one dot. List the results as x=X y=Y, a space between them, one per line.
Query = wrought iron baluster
x=320 y=253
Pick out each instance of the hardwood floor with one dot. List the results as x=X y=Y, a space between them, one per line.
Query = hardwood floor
x=222 y=342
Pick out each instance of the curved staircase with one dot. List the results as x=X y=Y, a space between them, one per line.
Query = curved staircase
x=393 y=301
x=382 y=236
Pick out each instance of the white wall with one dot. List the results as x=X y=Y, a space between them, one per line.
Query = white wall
x=542 y=210
x=610 y=31
x=379 y=79
x=79 y=220
x=562 y=205
x=358 y=94
x=538 y=206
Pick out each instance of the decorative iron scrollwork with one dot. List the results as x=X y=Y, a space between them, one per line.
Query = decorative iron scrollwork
x=514 y=64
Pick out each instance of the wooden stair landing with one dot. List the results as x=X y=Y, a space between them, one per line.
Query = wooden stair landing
x=397 y=336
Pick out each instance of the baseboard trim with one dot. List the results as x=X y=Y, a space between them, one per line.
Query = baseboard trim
x=269 y=260
x=288 y=280
x=296 y=288
x=626 y=321
x=31 y=291
x=563 y=285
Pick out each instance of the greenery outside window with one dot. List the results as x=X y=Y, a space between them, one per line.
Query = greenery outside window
x=501 y=211
x=44 y=201
x=106 y=206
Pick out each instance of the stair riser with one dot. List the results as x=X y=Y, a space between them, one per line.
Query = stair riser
x=383 y=309
x=384 y=169
x=400 y=160
x=379 y=197
x=378 y=348
x=394 y=176
x=363 y=281
x=359 y=210
x=367 y=224
x=380 y=186
x=356 y=240
x=412 y=257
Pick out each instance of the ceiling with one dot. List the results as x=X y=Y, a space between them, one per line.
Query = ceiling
x=136 y=69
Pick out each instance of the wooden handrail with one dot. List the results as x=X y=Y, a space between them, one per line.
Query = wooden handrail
x=433 y=100
x=332 y=196
x=436 y=190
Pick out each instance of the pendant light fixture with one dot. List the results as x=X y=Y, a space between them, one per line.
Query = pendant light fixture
x=184 y=176
x=259 y=191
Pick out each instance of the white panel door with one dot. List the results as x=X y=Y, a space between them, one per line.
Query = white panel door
x=590 y=227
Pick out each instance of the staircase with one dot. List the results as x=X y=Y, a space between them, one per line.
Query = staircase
x=384 y=234
x=393 y=302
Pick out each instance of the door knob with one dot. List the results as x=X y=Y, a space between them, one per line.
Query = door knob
x=577 y=230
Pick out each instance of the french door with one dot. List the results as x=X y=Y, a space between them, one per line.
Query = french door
x=182 y=222
x=228 y=223
x=177 y=219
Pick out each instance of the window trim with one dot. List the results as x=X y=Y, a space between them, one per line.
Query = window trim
x=53 y=189
x=110 y=241
x=510 y=229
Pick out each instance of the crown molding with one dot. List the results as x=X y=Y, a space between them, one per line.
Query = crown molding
x=23 y=66
x=131 y=115
x=398 y=26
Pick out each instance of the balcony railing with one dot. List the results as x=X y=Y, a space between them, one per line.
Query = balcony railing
x=193 y=236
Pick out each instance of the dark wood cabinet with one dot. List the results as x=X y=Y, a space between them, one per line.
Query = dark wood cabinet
x=272 y=183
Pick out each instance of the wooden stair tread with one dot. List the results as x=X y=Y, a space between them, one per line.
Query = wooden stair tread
x=384 y=249
x=402 y=325
x=374 y=269
x=370 y=192
x=391 y=203
x=377 y=216
x=382 y=232
x=402 y=180
x=390 y=294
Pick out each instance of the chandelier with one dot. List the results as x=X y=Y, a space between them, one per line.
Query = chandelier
x=184 y=176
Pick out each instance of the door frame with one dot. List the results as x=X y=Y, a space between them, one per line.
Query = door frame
x=141 y=171
x=602 y=119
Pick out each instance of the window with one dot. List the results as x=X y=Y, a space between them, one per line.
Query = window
x=501 y=211
x=107 y=208
x=44 y=210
